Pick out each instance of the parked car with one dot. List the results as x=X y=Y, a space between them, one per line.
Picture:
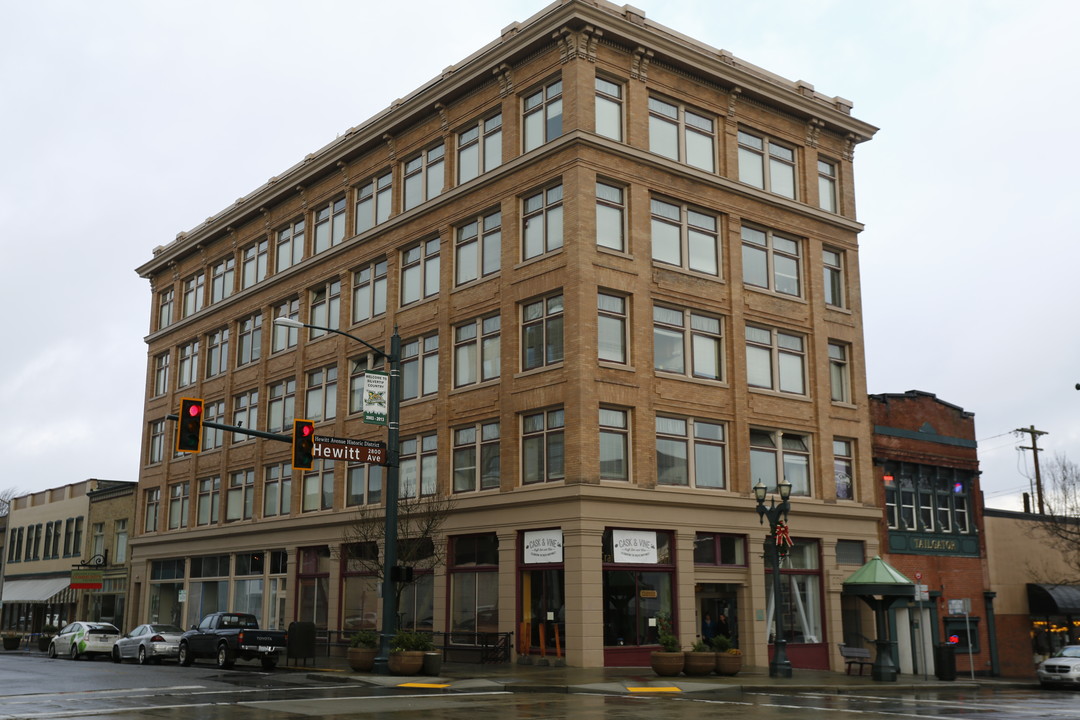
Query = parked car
x=1062 y=668
x=149 y=643
x=228 y=636
x=84 y=638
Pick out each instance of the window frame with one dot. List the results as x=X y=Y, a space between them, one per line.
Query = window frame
x=614 y=101
x=370 y=288
x=249 y=340
x=419 y=455
x=420 y=361
x=542 y=222
x=480 y=242
x=222 y=279
x=550 y=435
x=544 y=101
x=689 y=333
x=780 y=356
x=289 y=245
x=781 y=452
x=608 y=206
x=840 y=372
x=486 y=138
x=690 y=233
x=485 y=342
x=324 y=309
x=255 y=264
x=551 y=354
x=834 y=287
x=843 y=452
x=328 y=223
x=695 y=443
x=775 y=256
x=482 y=442
x=320 y=393
x=615 y=426
x=684 y=130
x=828 y=184
x=422 y=260
x=378 y=191
x=766 y=161
x=613 y=327
x=419 y=175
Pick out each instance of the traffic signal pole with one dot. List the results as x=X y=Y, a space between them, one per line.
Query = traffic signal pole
x=241 y=430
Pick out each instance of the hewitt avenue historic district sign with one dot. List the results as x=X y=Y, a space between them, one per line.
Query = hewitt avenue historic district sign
x=335 y=448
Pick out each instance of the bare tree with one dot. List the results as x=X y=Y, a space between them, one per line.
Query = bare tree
x=1060 y=526
x=6 y=496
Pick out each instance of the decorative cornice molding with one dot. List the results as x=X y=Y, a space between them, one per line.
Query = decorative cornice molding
x=814 y=126
x=577 y=43
x=733 y=96
x=504 y=74
x=444 y=120
x=639 y=63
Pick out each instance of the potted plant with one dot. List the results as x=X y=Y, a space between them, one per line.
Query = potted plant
x=728 y=659
x=407 y=652
x=363 y=647
x=46 y=636
x=12 y=640
x=669 y=660
x=700 y=659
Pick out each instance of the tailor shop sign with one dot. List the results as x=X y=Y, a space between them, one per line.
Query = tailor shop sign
x=543 y=546
x=908 y=543
x=634 y=546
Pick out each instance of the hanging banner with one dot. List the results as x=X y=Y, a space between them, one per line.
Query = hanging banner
x=634 y=546
x=82 y=579
x=376 y=397
x=542 y=546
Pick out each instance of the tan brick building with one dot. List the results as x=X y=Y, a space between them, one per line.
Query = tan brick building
x=625 y=268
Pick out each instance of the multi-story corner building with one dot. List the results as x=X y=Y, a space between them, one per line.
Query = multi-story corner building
x=624 y=265
x=926 y=456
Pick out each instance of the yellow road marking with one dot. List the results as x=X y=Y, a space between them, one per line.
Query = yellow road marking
x=425 y=685
x=653 y=689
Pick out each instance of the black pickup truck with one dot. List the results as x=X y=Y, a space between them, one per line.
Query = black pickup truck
x=228 y=636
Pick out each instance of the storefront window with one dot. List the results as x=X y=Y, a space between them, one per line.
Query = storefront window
x=417 y=607
x=314 y=586
x=638 y=577
x=474 y=587
x=800 y=590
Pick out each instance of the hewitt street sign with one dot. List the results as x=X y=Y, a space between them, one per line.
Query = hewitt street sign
x=335 y=448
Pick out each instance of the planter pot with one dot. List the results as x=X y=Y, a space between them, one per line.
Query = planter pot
x=432 y=663
x=727 y=664
x=405 y=662
x=43 y=643
x=12 y=643
x=699 y=663
x=362 y=659
x=667 y=664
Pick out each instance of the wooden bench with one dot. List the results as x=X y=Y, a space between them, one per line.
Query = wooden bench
x=855 y=656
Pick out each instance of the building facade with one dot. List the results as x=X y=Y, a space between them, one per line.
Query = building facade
x=624 y=266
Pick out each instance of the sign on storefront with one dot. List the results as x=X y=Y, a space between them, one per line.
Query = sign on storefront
x=542 y=546
x=86 y=579
x=634 y=546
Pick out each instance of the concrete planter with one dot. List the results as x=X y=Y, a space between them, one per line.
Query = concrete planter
x=667 y=664
x=699 y=663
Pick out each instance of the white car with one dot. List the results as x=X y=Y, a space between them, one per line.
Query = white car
x=1063 y=668
x=84 y=638
x=149 y=643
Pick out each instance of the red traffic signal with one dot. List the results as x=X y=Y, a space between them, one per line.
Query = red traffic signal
x=190 y=425
x=303 y=445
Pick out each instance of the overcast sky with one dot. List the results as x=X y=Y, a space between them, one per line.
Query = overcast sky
x=123 y=123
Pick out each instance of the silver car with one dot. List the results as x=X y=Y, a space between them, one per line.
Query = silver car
x=148 y=643
x=1063 y=668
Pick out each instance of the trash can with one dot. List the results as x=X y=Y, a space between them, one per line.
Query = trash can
x=945 y=662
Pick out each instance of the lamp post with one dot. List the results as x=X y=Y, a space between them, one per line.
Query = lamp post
x=779 y=666
x=390 y=506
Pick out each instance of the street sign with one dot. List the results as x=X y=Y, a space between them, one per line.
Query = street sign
x=335 y=448
x=960 y=607
x=922 y=593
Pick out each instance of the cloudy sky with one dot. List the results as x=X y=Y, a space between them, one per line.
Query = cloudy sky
x=123 y=123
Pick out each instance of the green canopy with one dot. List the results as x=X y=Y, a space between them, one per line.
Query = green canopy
x=878 y=577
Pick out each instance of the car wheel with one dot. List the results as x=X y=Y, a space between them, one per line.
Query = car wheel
x=52 y=651
x=269 y=663
x=184 y=656
x=142 y=656
x=224 y=658
x=74 y=652
x=115 y=654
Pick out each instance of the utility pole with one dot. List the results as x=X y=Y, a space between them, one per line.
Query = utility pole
x=1035 y=457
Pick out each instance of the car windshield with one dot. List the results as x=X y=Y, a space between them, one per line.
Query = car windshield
x=166 y=629
x=1069 y=651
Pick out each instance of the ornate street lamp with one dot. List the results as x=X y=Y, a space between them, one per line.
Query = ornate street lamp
x=779 y=666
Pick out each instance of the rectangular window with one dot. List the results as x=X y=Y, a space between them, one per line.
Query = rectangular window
x=844 y=469
x=478 y=248
x=839 y=372
x=249 y=340
x=321 y=401
x=771 y=261
x=156 y=448
x=217 y=352
x=479 y=148
x=256 y=263
x=187 y=371
x=240 y=500
x=223 y=279
x=614 y=444
x=245 y=414
x=152 y=504
x=686 y=342
x=283 y=337
x=476 y=351
x=121 y=532
x=542 y=332
x=691 y=452
x=775 y=360
x=329 y=226
x=290 y=246
x=319 y=487
x=165 y=308
x=282 y=405
x=325 y=308
x=827 y=185
x=610 y=217
x=277 y=490
x=542 y=115
x=420 y=367
x=542 y=447
x=612 y=328
x=684 y=237
x=161 y=373
x=776 y=454
x=179 y=505
x=766 y=164
x=419 y=465
x=609 y=109
x=373 y=202
x=850 y=552
x=424 y=176
x=719 y=549
x=420 y=271
x=832 y=260
x=363 y=484
x=360 y=367
x=369 y=291
x=476 y=457
x=194 y=294
x=213 y=438
x=542 y=222
x=682 y=134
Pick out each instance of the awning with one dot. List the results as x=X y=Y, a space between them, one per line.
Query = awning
x=1053 y=599
x=34 y=591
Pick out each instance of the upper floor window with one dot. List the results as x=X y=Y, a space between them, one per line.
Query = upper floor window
x=187 y=371
x=369 y=291
x=240 y=499
x=771 y=261
x=208 y=501
x=420 y=271
x=476 y=351
x=194 y=294
x=420 y=367
x=360 y=367
x=249 y=339
x=285 y=337
x=542 y=332
x=839 y=373
x=212 y=437
x=690 y=453
x=424 y=176
x=610 y=217
x=476 y=457
x=290 y=245
x=543 y=222
x=776 y=454
x=775 y=360
x=609 y=109
x=926 y=498
x=687 y=342
x=827 y=186
x=419 y=465
x=318 y=487
x=165 y=308
x=282 y=406
x=161 y=373
x=245 y=414
x=614 y=444
x=363 y=484
x=325 y=308
x=373 y=202
x=766 y=164
x=685 y=237
x=121 y=534
x=478 y=250
x=155 y=449
x=179 y=506
x=479 y=148
x=542 y=446
x=843 y=468
x=720 y=549
x=832 y=261
x=277 y=490
x=329 y=225
x=612 y=328
x=256 y=263
x=223 y=279
x=321 y=401
x=217 y=352
x=682 y=134
x=543 y=115
x=151 y=505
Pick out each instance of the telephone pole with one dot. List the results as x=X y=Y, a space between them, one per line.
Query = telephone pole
x=1035 y=457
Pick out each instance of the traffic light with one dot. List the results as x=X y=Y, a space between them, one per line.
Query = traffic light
x=303 y=444
x=189 y=426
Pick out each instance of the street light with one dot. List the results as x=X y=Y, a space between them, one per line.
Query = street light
x=393 y=412
x=779 y=666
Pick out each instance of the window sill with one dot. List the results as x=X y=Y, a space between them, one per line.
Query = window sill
x=536 y=371
x=475 y=386
x=690 y=379
x=780 y=394
x=773 y=293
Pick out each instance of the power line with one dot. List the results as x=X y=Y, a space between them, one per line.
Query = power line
x=1035 y=458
